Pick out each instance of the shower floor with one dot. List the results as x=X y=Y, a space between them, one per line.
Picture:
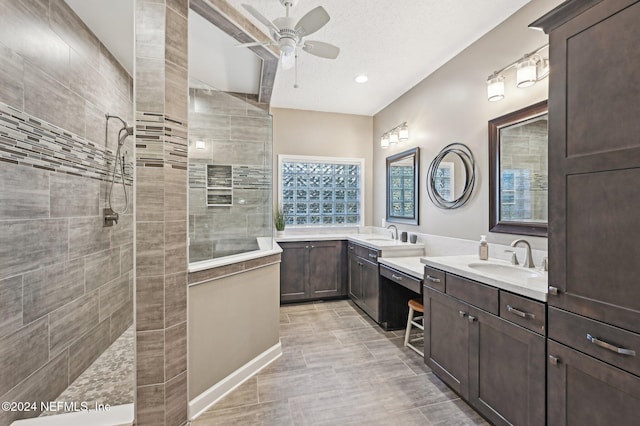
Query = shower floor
x=109 y=380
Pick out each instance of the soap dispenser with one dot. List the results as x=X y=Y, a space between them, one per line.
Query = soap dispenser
x=483 y=249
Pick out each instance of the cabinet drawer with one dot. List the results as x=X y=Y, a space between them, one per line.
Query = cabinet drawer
x=610 y=344
x=480 y=295
x=412 y=283
x=522 y=311
x=434 y=278
x=366 y=253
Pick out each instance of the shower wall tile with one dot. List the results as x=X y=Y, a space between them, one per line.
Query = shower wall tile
x=88 y=348
x=42 y=385
x=150 y=84
x=26 y=245
x=175 y=194
x=102 y=267
x=73 y=320
x=126 y=258
x=51 y=287
x=175 y=291
x=175 y=350
x=116 y=76
x=180 y=6
x=150 y=405
x=113 y=296
x=250 y=129
x=121 y=320
x=88 y=82
x=88 y=236
x=74 y=196
x=22 y=353
x=175 y=246
x=122 y=233
x=11 y=70
x=197 y=201
x=150 y=358
x=176 y=39
x=10 y=305
x=150 y=32
x=150 y=303
x=149 y=249
x=47 y=99
x=175 y=403
x=73 y=31
x=239 y=152
x=150 y=194
x=24 y=192
x=176 y=94
x=208 y=127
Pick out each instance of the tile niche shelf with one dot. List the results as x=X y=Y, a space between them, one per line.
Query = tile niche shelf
x=219 y=185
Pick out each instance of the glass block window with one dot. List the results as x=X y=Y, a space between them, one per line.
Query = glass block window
x=318 y=191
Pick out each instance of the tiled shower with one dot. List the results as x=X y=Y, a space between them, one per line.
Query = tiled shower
x=66 y=281
x=230 y=151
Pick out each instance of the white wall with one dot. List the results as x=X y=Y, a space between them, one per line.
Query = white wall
x=451 y=106
x=299 y=132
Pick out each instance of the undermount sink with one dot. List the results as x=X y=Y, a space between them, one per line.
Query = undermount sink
x=506 y=270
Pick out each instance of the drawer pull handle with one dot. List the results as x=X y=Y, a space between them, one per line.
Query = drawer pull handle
x=372 y=255
x=462 y=314
x=554 y=360
x=472 y=318
x=553 y=290
x=609 y=346
x=433 y=279
x=350 y=247
x=520 y=313
x=396 y=277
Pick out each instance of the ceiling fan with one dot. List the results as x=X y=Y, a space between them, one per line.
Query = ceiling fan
x=289 y=35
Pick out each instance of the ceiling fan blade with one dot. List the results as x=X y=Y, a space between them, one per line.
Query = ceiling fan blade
x=321 y=49
x=312 y=21
x=257 y=43
x=261 y=18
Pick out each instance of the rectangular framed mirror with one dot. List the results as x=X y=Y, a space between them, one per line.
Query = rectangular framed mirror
x=518 y=164
x=402 y=187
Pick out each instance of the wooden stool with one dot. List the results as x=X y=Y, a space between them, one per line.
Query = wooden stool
x=415 y=305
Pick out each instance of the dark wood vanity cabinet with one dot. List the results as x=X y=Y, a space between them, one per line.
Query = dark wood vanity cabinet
x=594 y=200
x=494 y=364
x=312 y=270
x=364 y=280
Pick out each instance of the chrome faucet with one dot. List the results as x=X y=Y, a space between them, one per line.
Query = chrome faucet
x=528 y=263
x=396 y=228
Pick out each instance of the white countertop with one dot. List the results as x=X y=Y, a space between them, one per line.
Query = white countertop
x=374 y=241
x=409 y=265
x=533 y=287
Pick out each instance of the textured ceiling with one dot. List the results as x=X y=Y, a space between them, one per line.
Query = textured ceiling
x=397 y=43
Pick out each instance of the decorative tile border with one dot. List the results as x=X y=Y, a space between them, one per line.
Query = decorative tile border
x=160 y=140
x=29 y=141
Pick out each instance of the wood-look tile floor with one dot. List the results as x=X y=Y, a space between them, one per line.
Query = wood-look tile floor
x=339 y=368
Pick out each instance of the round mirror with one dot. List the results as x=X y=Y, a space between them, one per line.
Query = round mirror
x=451 y=176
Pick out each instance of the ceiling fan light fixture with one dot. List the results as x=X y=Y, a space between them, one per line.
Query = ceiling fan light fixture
x=361 y=78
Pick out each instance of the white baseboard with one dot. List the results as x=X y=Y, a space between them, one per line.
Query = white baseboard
x=206 y=399
x=117 y=415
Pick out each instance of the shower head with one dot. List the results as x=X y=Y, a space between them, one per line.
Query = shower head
x=124 y=123
x=123 y=133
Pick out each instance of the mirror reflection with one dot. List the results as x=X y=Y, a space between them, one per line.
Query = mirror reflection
x=519 y=178
x=402 y=187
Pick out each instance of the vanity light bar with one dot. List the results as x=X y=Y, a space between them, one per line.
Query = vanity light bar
x=530 y=69
x=398 y=134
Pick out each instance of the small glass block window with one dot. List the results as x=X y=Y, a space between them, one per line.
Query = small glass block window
x=322 y=192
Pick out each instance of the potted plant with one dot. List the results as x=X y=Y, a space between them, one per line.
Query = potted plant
x=279 y=221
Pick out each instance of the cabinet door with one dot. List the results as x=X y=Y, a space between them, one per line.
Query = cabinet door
x=325 y=265
x=371 y=288
x=355 y=287
x=506 y=371
x=584 y=391
x=446 y=339
x=294 y=271
x=594 y=164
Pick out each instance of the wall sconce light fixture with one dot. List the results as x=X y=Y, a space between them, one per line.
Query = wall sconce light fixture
x=398 y=134
x=530 y=69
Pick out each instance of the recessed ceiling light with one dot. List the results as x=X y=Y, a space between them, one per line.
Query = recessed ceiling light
x=362 y=78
